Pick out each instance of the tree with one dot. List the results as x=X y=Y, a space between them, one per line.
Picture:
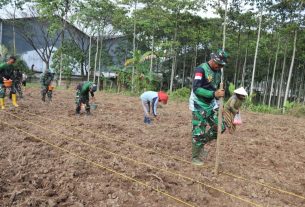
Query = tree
x=17 y=5
x=99 y=16
x=37 y=33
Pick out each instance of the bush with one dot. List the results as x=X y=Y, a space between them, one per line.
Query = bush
x=261 y=108
x=231 y=88
x=182 y=94
x=297 y=110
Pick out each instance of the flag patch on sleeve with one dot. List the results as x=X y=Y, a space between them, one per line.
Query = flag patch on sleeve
x=198 y=76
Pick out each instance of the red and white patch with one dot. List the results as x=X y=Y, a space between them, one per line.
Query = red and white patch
x=198 y=76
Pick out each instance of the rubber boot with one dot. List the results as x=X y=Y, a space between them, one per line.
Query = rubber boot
x=77 y=110
x=2 y=103
x=88 y=113
x=196 y=160
x=14 y=100
x=147 y=120
x=43 y=97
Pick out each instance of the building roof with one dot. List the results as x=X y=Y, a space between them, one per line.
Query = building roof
x=6 y=14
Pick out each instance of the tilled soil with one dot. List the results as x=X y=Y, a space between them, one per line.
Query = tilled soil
x=50 y=157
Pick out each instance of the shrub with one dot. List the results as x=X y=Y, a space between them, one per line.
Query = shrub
x=182 y=94
x=231 y=88
x=297 y=110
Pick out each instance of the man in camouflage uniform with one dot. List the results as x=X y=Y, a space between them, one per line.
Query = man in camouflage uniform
x=6 y=73
x=45 y=81
x=17 y=81
x=202 y=102
x=82 y=95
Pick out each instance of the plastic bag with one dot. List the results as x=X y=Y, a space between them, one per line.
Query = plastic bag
x=237 y=119
x=215 y=104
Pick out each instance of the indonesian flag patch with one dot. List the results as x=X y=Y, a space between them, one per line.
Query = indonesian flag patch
x=198 y=76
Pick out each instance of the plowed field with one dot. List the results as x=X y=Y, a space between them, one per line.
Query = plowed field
x=50 y=157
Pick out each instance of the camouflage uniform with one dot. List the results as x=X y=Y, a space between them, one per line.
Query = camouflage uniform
x=3 y=74
x=82 y=95
x=45 y=81
x=17 y=79
x=6 y=71
x=201 y=103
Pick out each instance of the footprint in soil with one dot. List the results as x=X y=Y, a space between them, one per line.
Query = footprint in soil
x=31 y=139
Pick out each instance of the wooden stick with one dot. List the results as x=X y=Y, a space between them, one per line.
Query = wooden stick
x=221 y=99
x=219 y=129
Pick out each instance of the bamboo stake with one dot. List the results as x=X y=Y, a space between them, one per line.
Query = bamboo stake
x=221 y=99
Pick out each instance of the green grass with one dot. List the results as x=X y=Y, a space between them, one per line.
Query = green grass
x=182 y=94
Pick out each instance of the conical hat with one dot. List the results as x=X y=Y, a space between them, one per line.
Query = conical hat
x=241 y=91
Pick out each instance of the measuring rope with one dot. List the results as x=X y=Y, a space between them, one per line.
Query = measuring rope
x=178 y=158
x=141 y=163
x=103 y=167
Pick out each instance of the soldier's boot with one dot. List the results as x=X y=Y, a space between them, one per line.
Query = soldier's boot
x=49 y=94
x=2 y=103
x=43 y=98
x=88 y=113
x=204 y=154
x=77 y=110
x=196 y=160
x=14 y=100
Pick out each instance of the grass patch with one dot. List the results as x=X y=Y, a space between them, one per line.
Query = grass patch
x=182 y=94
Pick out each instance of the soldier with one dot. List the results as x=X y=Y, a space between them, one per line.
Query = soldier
x=46 y=79
x=202 y=103
x=6 y=70
x=82 y=95
x=17 y=81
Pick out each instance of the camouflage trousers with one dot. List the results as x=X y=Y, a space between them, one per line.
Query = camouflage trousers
x=3 y=90
x=18 y=89
x=82 y=99
x=205 y=125
x=46 y=92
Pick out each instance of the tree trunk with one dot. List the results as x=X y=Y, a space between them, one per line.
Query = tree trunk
x=282 y=77
x=183 y=69
x=14 y=32
x=244 y=69
x=174 y=60
x=304 y=94
x=256 y=52
x=152 y=53
x=290 y=70
x=273 y=74
x=62 y=41
x=134 y=44
x=89 y=63
x=196 y=55
x=100 y=61
x=267 y=81
x=236 y=73
x=96 y=57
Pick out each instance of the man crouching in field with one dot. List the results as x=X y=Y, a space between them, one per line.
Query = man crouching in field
x=82 y=95
x=149 y=101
